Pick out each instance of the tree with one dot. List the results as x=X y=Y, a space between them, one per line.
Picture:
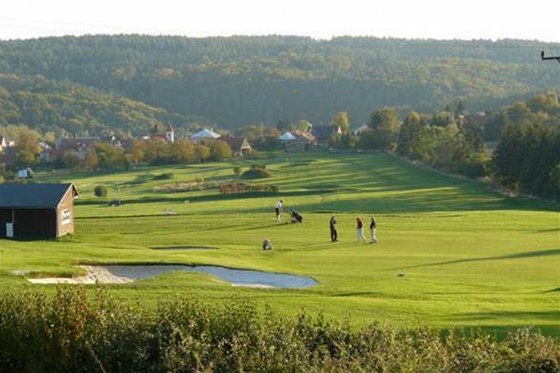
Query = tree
x=100 y=191
x=284 y=125
x=91 y=161
x=137 y=151
x=202 y=152
x=156 y=151
x=385 y=124
x=27 y=147
x=460 y=109
x=219 y=150
x=183 y=150
x=410 y=135
x=303 y=125
x=110 y=156
x=341 y=119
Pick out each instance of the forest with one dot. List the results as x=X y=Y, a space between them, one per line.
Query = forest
x=237 y=81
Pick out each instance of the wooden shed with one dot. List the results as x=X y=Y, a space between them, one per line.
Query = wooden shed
x=36 y=210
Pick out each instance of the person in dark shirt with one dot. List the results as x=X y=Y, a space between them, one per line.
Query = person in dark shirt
x=332 y=226
x=373 y=230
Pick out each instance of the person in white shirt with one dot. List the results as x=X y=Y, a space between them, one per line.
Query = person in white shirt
x=278 y=208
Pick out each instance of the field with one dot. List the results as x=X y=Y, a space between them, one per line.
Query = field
x=452 y=252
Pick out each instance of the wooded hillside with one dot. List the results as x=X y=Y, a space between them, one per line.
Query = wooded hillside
x=237 y=81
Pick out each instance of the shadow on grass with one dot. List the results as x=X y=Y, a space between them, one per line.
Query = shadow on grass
x=523 y=255
x=502 y=331
x=518 y=315
x=208 y=198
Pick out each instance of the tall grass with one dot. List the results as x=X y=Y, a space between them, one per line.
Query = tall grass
x=72 y=331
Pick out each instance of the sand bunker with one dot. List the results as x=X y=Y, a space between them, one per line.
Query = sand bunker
x=95 y=274
x=120 y=274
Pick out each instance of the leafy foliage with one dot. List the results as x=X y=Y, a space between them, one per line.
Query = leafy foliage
x=241 y=80
x=69 y=331
x=100 y=191
x=69 y=108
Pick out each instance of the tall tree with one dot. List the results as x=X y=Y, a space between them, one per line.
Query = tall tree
x=27 y=147
x=385 y=124
x=341 y=119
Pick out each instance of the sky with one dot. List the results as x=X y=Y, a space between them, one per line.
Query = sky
x=319 y=19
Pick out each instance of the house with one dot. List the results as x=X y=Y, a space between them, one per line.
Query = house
x=80 y=145
x=25 y=173
x=36 y=210
x=205 y=134
x=5 y=144
x=168 y=136
x=239 y=145
x=363 y=128
x=323 y=133
x=298 y=140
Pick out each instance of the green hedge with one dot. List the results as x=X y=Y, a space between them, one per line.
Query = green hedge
x=72 y=332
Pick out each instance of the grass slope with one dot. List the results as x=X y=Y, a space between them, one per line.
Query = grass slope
x=451 y=252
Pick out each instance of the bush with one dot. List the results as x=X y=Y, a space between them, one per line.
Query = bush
x=232 y=188
x=257 y=171
x=100 y=191
x=75 y=331
x=164 y=176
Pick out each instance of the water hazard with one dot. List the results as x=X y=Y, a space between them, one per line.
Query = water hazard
x=239 y=277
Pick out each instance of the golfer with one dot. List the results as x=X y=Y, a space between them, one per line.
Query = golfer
x=332 y=226
x=373 y=230
x=360 y=230
x=278 y=208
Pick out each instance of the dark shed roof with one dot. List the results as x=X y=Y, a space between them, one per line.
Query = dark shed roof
x=29 y=196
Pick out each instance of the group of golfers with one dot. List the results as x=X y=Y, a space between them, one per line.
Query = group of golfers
x=332 y=225
x=359 y=230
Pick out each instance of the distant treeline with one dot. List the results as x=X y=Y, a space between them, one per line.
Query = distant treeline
x=238 y=81
x=527 y=136
x=68 y=109
x=73 y=332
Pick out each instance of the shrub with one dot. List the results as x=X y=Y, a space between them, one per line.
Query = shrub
x=257 y=171
x=75 y=331
x=164 y=176
x=232 y=188
x=100 y=191
x=186 y=186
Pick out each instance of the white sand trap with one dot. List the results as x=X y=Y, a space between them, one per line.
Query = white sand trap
x=122 y=274
x=95 y=274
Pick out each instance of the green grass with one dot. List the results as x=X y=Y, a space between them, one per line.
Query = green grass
x=452 y=252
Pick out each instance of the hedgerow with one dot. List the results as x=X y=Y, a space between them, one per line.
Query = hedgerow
x=74 y=331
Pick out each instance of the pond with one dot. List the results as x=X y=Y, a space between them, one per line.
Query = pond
x=237 y=277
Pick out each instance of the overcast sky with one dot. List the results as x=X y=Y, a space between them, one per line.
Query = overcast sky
x=436 y=19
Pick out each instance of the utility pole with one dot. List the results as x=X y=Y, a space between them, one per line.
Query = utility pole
x=557 y=58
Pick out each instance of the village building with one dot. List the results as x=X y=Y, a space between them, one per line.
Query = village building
x=239 y=145
x=323 y=133
x=36 y=210
x=3 y=144
x=168 y=136
x=79 y=145
x=364 y=128
x=297 y=140
x=7 y=153
x=205 y=134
